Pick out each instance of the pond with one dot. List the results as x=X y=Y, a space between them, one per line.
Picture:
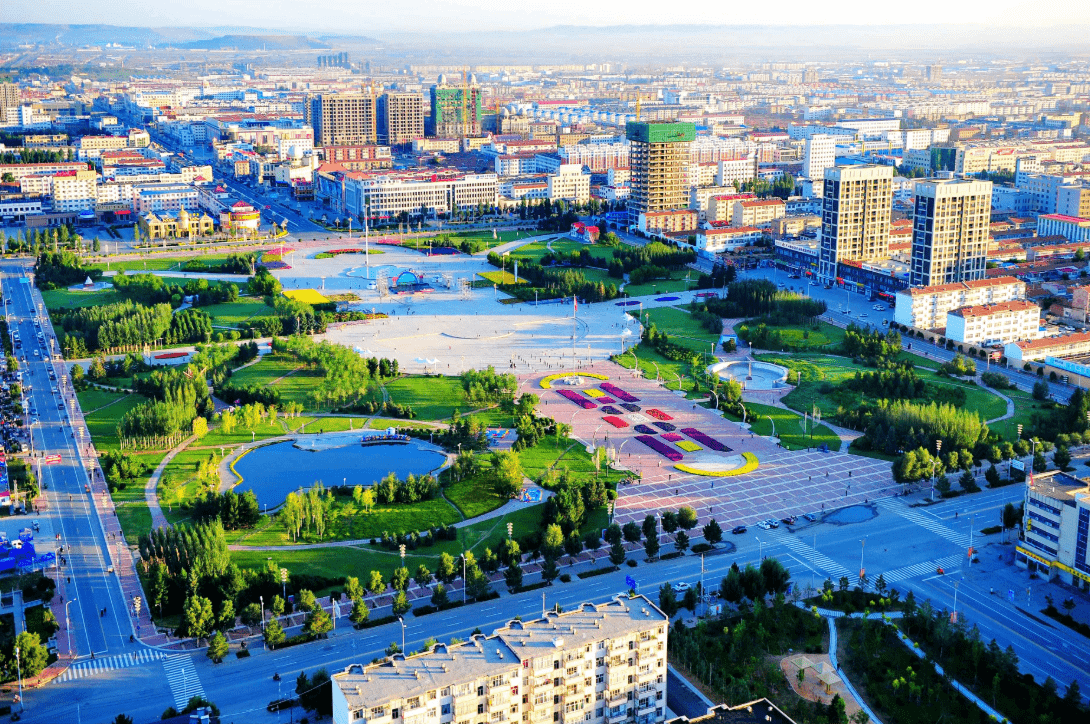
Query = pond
x=273 y=471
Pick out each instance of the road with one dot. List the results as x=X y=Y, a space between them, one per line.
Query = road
x=100 y=624
x=905 y=544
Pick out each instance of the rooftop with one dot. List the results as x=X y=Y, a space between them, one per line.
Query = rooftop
x=957 y=286
x=986 y=310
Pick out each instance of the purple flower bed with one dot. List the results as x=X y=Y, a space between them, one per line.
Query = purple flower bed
x=578 y=399
x=661 y=448
x=604 y=400
x=672 y=437
x=708 y=442
x=665 y=426
x=630 y=407
x=611 y=410
x=645 y=430
x=618 y=392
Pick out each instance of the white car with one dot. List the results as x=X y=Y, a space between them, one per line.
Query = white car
x=681 y=587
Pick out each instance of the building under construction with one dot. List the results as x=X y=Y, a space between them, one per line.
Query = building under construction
x=342 y=119
x=658 y=159
x=455 y=111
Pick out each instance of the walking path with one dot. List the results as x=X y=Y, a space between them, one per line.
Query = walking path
x=151 y=489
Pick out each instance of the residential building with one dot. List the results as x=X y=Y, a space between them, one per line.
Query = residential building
x=716 y=241
x=820 y=154
x=788 y=226
x=9 y=98
x=74 y=191
x=17 y=207
x=1056 y=529
x=993 y=324
x=1073 y=200
x=359 y=158
x=757 y=212
x=1072 y=228
x=736 y=171
x=165 y=197
x=240 y=218
x=400 y=118
x=758 y=711
x=596 y=664
x=856 y=206
x=662 y=222
x=1076 y=344
x=926 y=307
x=387 y=194
x=658 y=159
x=19 y=171
x=950 y=231
x=598 y=157
x=570 y=184
x=174 y=224
x=517 y=164
x=455 y=111
x=342 y=119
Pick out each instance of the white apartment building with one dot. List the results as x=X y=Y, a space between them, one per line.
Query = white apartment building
x=386 y=195
x=701 y=174
x=820 y=154
x=856 y=205
x=597 y=664
x=736 y=171
x=165 y=198
x=22 y=170
x=570 y=184
x=991 y=324
x=950 y=231
x=710 y=242
x=1073 y=200
x=75 y=191
x=516 y=164
x=1057 y=517
x=700 y=198
x=598 y=157
x=1072 y=228
x=926 y=307
x=757 y=212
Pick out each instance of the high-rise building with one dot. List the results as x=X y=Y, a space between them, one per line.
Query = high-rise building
x=820 y=155
x=400 y=118
x=855 y=212
x=950 y=231
x=342 y=119
x=9 y=98
x=595 y=664
x=658 y=159
x=934 y=74
x=455 y=111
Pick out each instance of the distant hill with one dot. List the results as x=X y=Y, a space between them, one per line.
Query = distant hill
x=253 y=42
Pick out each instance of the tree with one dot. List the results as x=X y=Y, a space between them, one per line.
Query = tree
x=686 y=518
x=1009 y=517
x=439 y=596
x=422 y=577
x=573 y=545
x=991 y=475
x=507 y=473
x=549 y=571
x=352 y=588
x=616 y=553
x=477 y=584
x=651 y=547
x=399 y=581
x=217 y=647
x=713 y=533
x=315 y=693
x=668 y=600
x=318 y=623
x=360 y=612
x=445 y=571
x=513 y=578
x=251 y=615
x=753 y=583
x=681 y=542
x=277 y=606
x=1061 y=458
x=200 y=427
x=613 y=534
x=1039 y=463
x=274 y=633
x=775 y=576
x=375 y=583
x=690 y=600
x=552 y=542
x=400 y=604
x=33 y=657
x=837 y=712
x=226 y=620
x=730 y=588
x=1041 y=390
x=669 y=521
x=631 y=532
x=197 y=617
x=122 y=718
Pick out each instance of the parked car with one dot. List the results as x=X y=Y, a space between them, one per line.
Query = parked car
x=810 y=517
x=790 y=520
x=738 y=529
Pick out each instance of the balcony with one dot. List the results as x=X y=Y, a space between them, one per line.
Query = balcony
x=647 y=675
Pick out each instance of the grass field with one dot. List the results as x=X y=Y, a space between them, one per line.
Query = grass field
x=64 y=299
x=538 y=250
x=501 y=277
x=432 y=398
x=1024 y=409
x=676 y=283
x=824 y=337
x=234 y=314
x=668 y=370
x=163 y=262
x=681 y=328
x=102 y=425
x=788 y=427
x=294 y=381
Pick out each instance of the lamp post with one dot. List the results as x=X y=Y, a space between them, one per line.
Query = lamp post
x=68 y=622
x=862 y=547
x=19 y=671
x=284 y=582
x=954 y=614
x=463 y=577
x=760 y=550
x=402 y=622
x=773 y=424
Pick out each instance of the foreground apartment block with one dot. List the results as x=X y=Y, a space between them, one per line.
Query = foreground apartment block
x=1056 y=528
x=604 y=664
x=926 y=307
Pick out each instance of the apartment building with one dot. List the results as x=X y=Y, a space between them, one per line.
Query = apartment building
x=1073 y=200
x=385 y=195
x=10 y=97
x=663 y=222
x=1056 y=529
x=1075 y=344
x=359 y=158
x=598 y=157
x=1072 y=228
x=757 y=212
x=926 y=307
x=570 y=184
x=950 y=231
x=736 y=171
x=165 y=197
x=400 y=118
x=991 y=324
x=597 y=664
x=716 y=241
x=74 y=191
x=856 y=206
x=342 y=119
x=658 y=160
x=455 y=111
x=820 y=154
x=19 y=171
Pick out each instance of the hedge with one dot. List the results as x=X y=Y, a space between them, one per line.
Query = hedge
x=598 y=572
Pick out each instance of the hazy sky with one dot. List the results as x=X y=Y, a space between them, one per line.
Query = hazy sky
x=371 y=17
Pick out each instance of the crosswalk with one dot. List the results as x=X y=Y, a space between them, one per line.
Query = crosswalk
x=920 y=569
x=924 y=521
x=807 y=555
x=102 y=665
x=182 y=678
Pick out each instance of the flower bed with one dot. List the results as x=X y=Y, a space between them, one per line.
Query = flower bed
x=630 y=407
x=615 y=421
x=660 y=447
x=618 y=392
x=581 y=401
x=658 y=414
x=665 y=426
x=594 y=393
x=599 y=398
x=672 y=437
x=646 y=430
x=547 y=382
x=708 y=442
x=688 y=445
x=749 y=467
x=611 y=410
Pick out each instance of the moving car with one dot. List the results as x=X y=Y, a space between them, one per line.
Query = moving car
x=681 y=587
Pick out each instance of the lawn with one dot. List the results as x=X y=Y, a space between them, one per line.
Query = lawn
x=675 y=375
x=676 y=283
x=572 y=454
x=233 y=314
x=538 y=250
x=822 y=336
x=788 y=427
x=93 y=399
x=102 y=425
x=64 y=299
x=1024 y=409
x=293 y=379
x=501 y=277
x=157 y=262
x=682 y=329
x=432 y=398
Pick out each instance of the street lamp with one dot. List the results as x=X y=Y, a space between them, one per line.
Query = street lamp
x=463 y=557
x=262 y=600
x=402 y=622
x=68 y=622
x=862 y=547
x=19 y=670
x=284 y=582
x=760 y=550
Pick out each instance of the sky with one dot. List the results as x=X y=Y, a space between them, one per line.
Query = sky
x=371 y=17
